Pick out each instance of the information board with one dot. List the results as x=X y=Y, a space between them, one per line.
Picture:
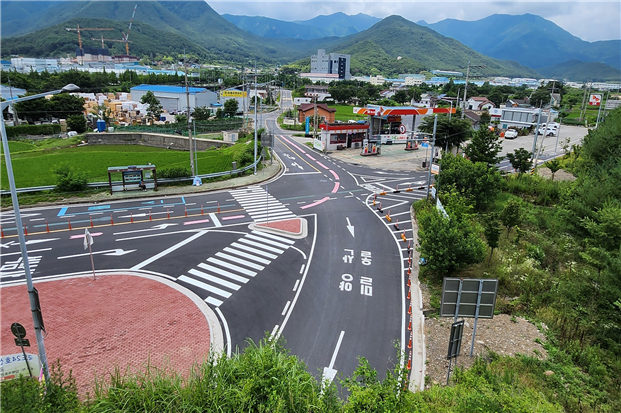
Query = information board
x=468 y=297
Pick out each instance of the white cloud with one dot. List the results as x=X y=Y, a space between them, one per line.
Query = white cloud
x=588 y=20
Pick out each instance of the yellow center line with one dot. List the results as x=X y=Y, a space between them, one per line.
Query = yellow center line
x=300 y=156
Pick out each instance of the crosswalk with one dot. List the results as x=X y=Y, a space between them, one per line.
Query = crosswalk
x=260 y=205
x=228 y=270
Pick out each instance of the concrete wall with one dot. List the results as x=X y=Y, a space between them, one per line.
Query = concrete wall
x=151 y=139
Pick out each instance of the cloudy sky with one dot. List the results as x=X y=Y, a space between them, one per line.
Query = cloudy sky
x=588 y=20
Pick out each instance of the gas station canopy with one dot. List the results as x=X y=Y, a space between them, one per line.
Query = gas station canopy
x=373 y=110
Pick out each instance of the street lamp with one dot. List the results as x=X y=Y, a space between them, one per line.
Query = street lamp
x=19 y=226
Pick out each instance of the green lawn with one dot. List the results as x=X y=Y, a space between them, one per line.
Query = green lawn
x=346 y=112
x=33 y=167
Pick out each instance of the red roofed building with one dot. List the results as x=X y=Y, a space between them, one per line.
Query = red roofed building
x=324 y=113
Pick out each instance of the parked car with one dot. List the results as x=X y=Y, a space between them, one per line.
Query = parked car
x=511 y=134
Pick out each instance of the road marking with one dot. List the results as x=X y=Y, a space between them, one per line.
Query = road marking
x=116 y=252
x=350 y=227
x=336 y=187
x=335 y=175
x=256 y=244
x=213 y=301
x=322 y=165
x=233 y=267
x=267 y=241
x=248 y=256
x=274 y=330
x=302 y=268
x=29 y=252
x=168 y=251
x=222 y=272
x=202 y=221
x=233 y=217
x=240 y=261
x=62 y=211
x=204 y=286
x=254 y=251
x=215 y=220
x=94 y=234
x=329 y=372
x=286 y=308
x=321 y=201
x=216 y=280
x=297 y=282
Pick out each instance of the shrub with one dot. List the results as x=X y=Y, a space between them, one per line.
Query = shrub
x=77 y=123
x=174 y=173
x=68 y=179
x=14 y=131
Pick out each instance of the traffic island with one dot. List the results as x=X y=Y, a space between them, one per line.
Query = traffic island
x=296 y=228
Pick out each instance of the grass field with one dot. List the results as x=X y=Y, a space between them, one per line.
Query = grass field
x=33 y=166
x=346 y=112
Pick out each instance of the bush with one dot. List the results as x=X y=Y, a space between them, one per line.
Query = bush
x=68 y=179
x=174 y=173
x=14 y=131
x=76 y=123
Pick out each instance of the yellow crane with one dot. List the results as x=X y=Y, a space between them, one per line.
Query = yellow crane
x=80 y=29
x=126 y=36
x=110 y=40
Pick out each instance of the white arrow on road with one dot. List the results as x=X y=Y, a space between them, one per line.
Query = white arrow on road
x=116 y=253
x=329 y=372
x=29 y=242
x=295 y=164
x=350 y=227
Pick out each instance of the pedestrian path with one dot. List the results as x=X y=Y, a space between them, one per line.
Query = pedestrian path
x=260 y=205
x=227 y=271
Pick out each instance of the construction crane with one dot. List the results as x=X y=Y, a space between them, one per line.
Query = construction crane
x=126 y=36
x=79 y=29
x=109 y=40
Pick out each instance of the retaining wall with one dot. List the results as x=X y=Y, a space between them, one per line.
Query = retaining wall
x=151 y=139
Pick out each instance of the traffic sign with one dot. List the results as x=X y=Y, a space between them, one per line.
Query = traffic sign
x=18 y=330
x=22 y=342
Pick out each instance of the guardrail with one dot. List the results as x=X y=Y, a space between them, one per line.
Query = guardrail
x=159 y=181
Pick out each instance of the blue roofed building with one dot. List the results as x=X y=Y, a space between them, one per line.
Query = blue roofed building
x=173 y=98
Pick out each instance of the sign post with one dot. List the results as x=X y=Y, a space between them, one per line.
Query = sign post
x=88 y=241
x=457 y=331
x=19 y=332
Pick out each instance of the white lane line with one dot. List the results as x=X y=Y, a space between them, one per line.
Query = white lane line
x=247 y=256
x=400 y=213
x=29 y=252
x=215 y=219
x=232 y=267
x=297 y=282
x=286 y=308
x=240 y=261
x=302 y=268
x=223 y=272
x=204 y=286
x=226 y=332
x=336 y=350
x=265 y=247
x=168 y=251
x=274 y=330
x=263 y=253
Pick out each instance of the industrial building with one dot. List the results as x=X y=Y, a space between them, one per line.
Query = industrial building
x=174 y=99
x=333 y=63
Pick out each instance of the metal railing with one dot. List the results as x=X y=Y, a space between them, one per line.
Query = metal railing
x=159 y=181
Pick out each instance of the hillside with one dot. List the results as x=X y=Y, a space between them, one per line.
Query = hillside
x=337 y=24
x=582 y=72
x=528 y=39
x=192 y=19
x=57 y=42
x=395 y=36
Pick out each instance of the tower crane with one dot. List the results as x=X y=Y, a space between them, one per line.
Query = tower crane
x=126 y=36
x=79 y=29
x=109 y=40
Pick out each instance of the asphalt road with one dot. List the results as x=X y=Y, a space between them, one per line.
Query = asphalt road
x=335 y=295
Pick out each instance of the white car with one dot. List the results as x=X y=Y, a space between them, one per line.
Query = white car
x=511 y=134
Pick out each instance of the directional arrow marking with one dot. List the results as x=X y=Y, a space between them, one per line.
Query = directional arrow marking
x=154 y=228
x=117 y=253
x=329 y=372
x=295 y=164
x=29 y=242
x=350 y=227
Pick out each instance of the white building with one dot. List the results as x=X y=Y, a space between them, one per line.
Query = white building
x=334 y=63
x=26 y=64
x=174 y=99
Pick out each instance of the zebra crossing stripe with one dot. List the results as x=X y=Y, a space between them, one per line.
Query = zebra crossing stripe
x=213 y=301
x=267 y=241
x=204 y=286
x=232 y=267
x=213 y=279
x=256 y=244
x=275 y=237
x=263 y=253
x=224 y=273
x=240 y=261
x=248 y=256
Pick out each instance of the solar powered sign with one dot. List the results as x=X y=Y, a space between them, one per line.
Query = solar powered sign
x=462 y=297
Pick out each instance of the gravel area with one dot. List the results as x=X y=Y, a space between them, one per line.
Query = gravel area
x=505 y=335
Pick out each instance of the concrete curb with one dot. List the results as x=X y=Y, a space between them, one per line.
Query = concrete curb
x=299 y=235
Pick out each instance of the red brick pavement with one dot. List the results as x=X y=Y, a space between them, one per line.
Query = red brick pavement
x=117 y=320
x=293 y=226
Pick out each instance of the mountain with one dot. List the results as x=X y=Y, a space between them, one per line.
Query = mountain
x=145 y=39
x=337 y=24
x=192 y=19
x=395 y=37
x=579 y=71
x=528 y=39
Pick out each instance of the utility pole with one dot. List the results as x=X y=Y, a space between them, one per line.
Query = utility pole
x=466 y=88
x=187 y=95
x=255 y=117
x=433 y=144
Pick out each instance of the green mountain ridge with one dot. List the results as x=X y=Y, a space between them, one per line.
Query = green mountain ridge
x=579 y=71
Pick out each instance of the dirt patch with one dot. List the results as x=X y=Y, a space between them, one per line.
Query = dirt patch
x=504 y=335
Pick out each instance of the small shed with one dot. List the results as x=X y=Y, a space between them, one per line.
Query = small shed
x=133 y=176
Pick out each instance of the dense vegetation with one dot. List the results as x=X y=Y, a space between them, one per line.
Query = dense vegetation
x=555 y=247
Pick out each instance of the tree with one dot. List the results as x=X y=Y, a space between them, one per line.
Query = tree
x=472 y=180
x=182 y=119
x=511 y=214
x=33 y=110
x=540 y=97
x=64 y=105
x=484 y=147
x=77 y=123
x=450 y=132
x=201 y=113
x=414 y=94
x=553 y=165
x=491 y=230
x=230 y=107
x=400 y=97
x=520 y=159
x=497 y=97
x=154 y=108
x=485 y=118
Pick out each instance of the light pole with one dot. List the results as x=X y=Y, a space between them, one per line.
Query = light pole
x=32 y=293
x=187 y=96
x=256 y=102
